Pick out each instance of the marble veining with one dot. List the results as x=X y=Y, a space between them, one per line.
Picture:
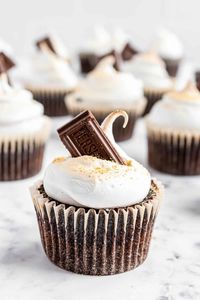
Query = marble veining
x=171 y=271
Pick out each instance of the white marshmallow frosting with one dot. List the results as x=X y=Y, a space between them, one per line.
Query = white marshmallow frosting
x=105 y=85
x=177 y=110
x=150 y=69
x=50 y=70
x=104 y=42
x=19 y=113
x=88 y=181
x=168 y=45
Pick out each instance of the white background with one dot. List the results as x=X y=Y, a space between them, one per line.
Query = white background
x=21 y=21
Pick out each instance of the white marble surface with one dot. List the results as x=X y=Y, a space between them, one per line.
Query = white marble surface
x=171 y=271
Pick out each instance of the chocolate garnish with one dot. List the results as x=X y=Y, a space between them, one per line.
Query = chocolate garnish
x=128 y=52
x=117 y=58
x=5 y=63
x=84 y=136
x=47 y=42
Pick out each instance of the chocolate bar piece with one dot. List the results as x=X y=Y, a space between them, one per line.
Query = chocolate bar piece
x=5 y=63
x=84 y=136
x=46 y=41
x=128 y=52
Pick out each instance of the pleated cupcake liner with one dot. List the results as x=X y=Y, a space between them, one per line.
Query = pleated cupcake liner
x=152 y=97
x=52 y=100
x=96 y=242
x=100 y=112
x=174 y=152
x=172 y=66
x=21 y=156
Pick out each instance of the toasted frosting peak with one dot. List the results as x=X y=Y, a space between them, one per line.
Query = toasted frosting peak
x=98 y=183
x=188 y=93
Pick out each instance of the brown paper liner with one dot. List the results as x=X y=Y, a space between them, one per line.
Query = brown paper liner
x=100 y=112
x=174 y=152
x=96 y=242
x=21 y=156
x=172 y=66
x=152 y=97
x=52 y=100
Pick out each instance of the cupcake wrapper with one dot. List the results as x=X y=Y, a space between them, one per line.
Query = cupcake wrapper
x=95 y=242
x=120 y=133
x=172 y=66
x=21 y=156
x=174 y=152
x=24 y=161
x=53 y=101
x=152 y=97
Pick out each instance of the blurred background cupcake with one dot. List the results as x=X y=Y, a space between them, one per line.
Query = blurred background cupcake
x=170 y=49
x=96 y=48
x=23 y=129
x=102 y=44
x=104 y=90
x=173 y=127
x=50 y=77
x=150 y=69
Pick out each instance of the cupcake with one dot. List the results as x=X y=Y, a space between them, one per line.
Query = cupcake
x=173 y=127
x=96 y=49
x=170 y=49
x=104 y=90
x=23 y=132
x=50 y=77
x=96 y=216
x=151 y=70
x=103 y=44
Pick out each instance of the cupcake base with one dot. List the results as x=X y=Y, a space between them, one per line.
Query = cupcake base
x=176 y=153
x=53 y=101
x=96 y=242
x=21 y=162
x=21 y=156
x=152 y=97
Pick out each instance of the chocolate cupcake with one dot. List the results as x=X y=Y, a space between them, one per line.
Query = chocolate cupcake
x=104 y=90
x=170 y=49
x=23 y=133
x=173 y=128
x=149 y=68
x=95 y=215
x=50 y=77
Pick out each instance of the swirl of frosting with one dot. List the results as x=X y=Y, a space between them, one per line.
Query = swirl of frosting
x=150 y=69
x=19 y=113
x=106 y=85
x=178 y=110
x=168 y=45
x=48 y=69
x=120 y=39
x=100 y=43
x=92 y=182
